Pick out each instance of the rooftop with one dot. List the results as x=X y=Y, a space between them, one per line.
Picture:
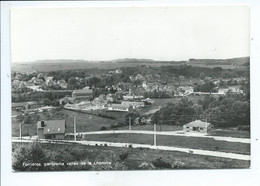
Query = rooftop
x=53 y=126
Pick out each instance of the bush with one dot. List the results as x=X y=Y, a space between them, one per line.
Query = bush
x=178 y=165
x=130 y=146
x=103 y=128
x=146 y=166
x=123 y=156
x=159 y=163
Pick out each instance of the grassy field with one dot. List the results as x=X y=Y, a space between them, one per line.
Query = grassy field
x=176 y=141
x=135 y=157
x=84 y=122
x=230 y=133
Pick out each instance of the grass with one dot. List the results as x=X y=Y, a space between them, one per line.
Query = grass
x=138 y=156
x=151 y=127
x=176 y=141
x=230 y=133
x=119 y=116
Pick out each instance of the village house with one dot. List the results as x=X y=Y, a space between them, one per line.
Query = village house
x=119 y=107
x=139 y=77
x=118 y=71
x=235 y=89
x=52 y=129
x=111 y=98
x=197 y=126
x=133 y=104
x=223 y=90
x=62 y=83
x=132 y=97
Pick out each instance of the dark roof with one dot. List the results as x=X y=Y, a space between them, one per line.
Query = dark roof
x=53 y=126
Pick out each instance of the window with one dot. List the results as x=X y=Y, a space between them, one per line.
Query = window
x=201 y=128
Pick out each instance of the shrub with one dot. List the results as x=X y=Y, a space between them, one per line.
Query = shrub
x=105 y=145
x=130 y=146
x=123 y=156
x=103 y=128
x=159 y=163
x=146 y=166
x=178 y=165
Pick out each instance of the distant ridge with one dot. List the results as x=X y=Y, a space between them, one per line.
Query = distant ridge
x=235 y=61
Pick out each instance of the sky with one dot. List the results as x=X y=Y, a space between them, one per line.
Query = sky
x=108 y=33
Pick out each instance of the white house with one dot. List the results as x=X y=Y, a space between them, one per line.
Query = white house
x=197 y=126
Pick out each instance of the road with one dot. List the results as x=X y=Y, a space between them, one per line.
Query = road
x=171 y=133
x=134 y=145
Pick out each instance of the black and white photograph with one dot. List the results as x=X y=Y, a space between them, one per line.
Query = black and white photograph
x=130 y=88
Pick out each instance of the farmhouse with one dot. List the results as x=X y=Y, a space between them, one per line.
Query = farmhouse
x=119 y=107
x=52 y=129
x=197 y=126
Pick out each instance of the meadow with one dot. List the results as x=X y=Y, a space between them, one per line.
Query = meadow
x=175 y=141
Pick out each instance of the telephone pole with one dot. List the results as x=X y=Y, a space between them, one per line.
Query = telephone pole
x=21 y=130
x=154 y=135
x=129 y=123
x=75 y=136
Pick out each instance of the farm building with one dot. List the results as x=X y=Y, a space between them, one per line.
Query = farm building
x=83 y=93
x=119 y=107
x=197 y=126
x=52 y=129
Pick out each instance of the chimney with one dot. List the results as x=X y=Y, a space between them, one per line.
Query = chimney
x=42 y=123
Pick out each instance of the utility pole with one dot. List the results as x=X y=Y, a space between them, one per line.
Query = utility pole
x=75 y=136
x=21 y=130
x=154 y=135
x=129 y=123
